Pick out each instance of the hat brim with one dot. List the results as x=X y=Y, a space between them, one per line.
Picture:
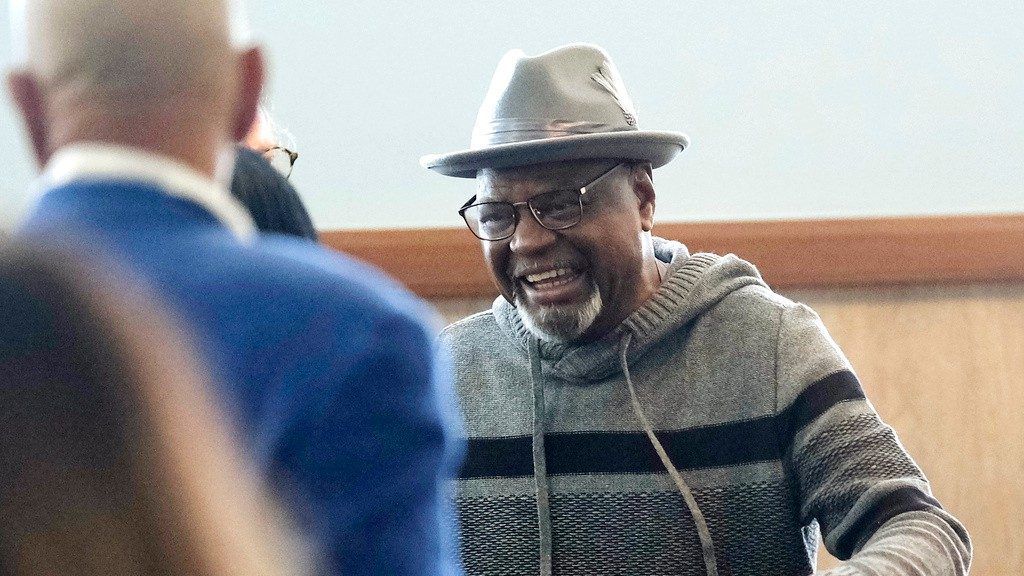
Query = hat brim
x=658 y=148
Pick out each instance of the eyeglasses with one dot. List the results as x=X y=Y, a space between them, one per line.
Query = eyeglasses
x=555 y=210
x=282 y=159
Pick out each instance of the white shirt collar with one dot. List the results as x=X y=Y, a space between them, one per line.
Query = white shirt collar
x=95 y=161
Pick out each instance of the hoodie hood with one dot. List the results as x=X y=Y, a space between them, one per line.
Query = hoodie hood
x=693 y=284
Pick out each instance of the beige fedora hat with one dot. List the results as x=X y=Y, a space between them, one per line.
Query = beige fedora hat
x=565 y=104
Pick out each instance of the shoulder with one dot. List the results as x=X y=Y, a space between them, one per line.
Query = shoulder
x=292 y=286
x=475 y=338
x=313 y=267
x=473 y=328
x=751 y=306
x=756 y=320
x=757 y=308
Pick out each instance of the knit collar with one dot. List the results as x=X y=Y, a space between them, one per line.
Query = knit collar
x=692 y=284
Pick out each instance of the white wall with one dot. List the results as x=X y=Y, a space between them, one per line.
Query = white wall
x=794 y=108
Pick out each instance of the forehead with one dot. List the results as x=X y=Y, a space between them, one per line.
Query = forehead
x=524 y=181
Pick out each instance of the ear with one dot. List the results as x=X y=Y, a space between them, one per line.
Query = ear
x=251 y=74
x=28 y=97
x=643 y=187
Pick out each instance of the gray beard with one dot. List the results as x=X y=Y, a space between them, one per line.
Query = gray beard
x=563 y=323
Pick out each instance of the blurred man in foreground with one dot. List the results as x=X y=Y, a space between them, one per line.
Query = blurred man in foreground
x=132 y=107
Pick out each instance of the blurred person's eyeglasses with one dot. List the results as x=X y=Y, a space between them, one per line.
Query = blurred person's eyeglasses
x=282 y=159
x=555 y=210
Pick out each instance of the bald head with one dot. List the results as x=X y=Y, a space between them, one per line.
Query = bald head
x=129 y=50
x=103 y=69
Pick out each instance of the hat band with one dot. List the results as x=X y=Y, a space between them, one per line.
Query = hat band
x=509 y=130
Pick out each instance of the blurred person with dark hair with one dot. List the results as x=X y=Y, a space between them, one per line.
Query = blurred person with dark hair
x=331 y=369
x=271 y=200
x=115 y=458
x=272 y=142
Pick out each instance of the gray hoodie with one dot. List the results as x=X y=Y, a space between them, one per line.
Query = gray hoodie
x=712 y=432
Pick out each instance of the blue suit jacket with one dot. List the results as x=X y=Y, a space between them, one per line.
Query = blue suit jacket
x=330 y=371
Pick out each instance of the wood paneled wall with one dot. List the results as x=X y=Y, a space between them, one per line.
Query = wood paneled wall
x=446 y=262
x=944 y=365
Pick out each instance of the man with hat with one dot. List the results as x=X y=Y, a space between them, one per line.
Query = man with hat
x=636 y=409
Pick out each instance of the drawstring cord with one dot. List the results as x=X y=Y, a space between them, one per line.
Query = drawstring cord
x=707 y=546
x=540 y=468
x=540 y=473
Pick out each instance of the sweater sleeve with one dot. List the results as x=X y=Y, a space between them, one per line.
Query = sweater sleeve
x=854 y=477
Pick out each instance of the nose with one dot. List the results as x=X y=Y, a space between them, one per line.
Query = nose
x=529 y=236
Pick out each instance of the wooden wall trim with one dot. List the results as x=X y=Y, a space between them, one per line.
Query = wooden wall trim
x=446 y=262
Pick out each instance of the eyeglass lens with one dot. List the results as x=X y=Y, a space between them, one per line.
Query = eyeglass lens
x=555 y=210
x=280 y=159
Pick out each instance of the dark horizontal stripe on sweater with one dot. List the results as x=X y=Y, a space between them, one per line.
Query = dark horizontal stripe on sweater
x=728 y=444
x=906 y=499
x=623 y=452
x=818 y=398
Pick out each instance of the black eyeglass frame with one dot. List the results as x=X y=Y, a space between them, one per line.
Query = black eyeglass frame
x=581 y=191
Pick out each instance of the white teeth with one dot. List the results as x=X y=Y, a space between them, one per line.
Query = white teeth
x=540 y=277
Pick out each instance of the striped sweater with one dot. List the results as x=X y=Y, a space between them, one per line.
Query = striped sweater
x=754 y=404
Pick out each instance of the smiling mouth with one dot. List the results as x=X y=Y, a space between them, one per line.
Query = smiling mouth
x=555 y=286
x=556 y=277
